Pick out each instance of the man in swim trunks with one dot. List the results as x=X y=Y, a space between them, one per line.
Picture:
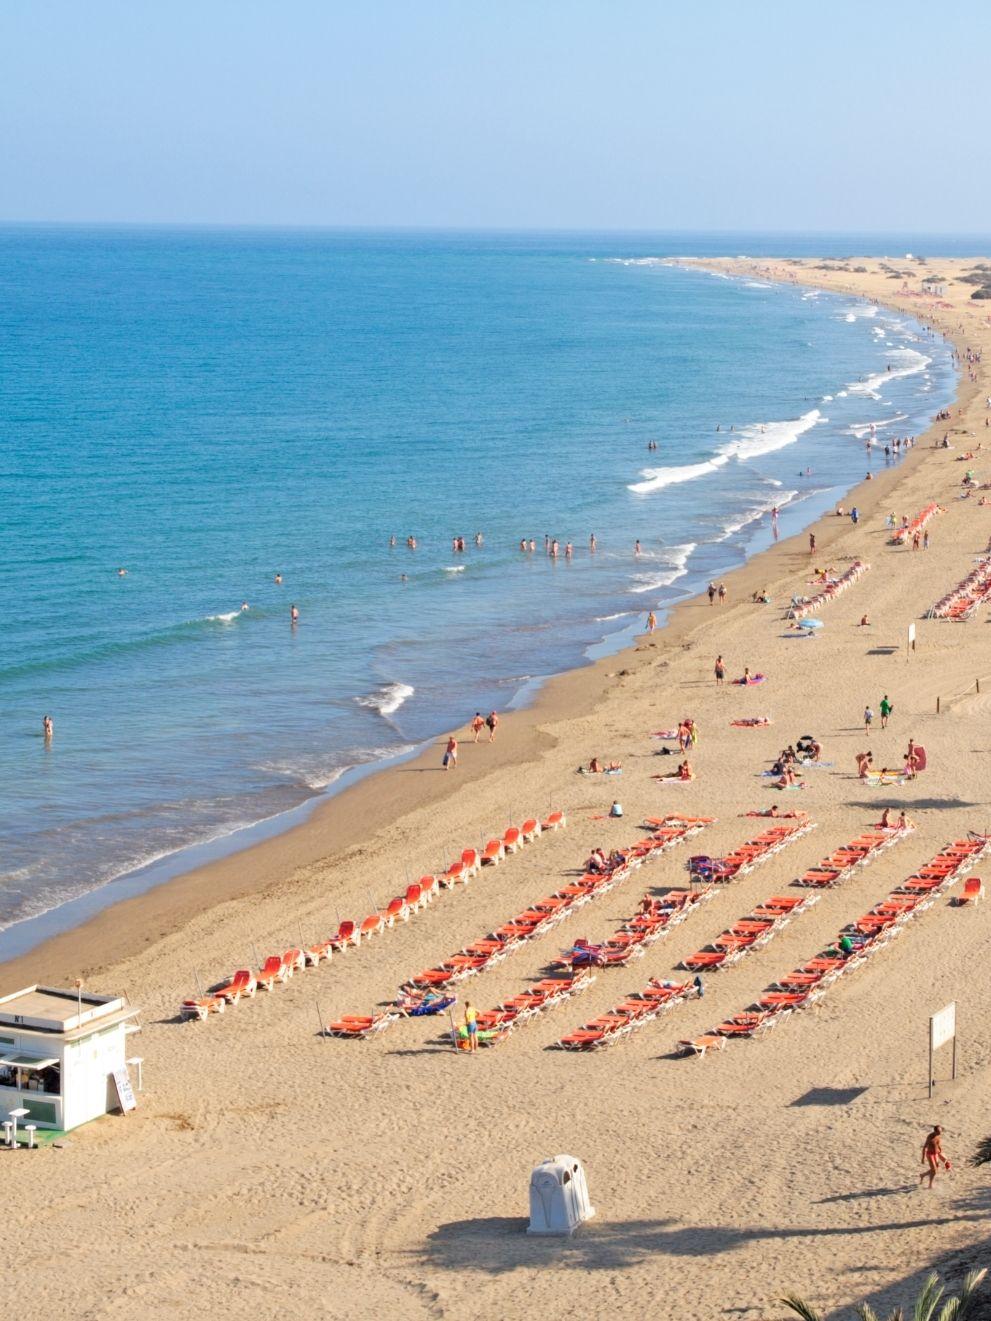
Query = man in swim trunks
x=477 y=724
x=451 y=754
x=651 y=622
x=720 y=670
x=932 y=1155
x=492 y=721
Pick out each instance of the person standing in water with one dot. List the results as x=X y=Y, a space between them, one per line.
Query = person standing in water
x=48 y=725
x=591 y=542
x=293 y=615
x=651 y=622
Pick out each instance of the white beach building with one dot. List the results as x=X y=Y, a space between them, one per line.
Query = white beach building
x=934 y=285
x=62 y=1055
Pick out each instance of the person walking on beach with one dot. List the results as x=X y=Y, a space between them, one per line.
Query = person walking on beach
x=651 y=622
x=720 y=669
x=492 y=721
x=722 y=593
x=451 y=753
x=868 y=719
x=933 y=1156
x=477 y=725
x=711 y=589
x=812 y=543
x=471 y=1026
x=886 y=709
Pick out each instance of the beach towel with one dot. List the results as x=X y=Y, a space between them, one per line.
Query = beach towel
x=749 y=683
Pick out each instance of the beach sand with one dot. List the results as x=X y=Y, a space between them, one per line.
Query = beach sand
x=268 y=1169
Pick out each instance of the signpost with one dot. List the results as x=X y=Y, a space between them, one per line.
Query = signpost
x=125 y=1092
x=911 y=636
x=942 y=1028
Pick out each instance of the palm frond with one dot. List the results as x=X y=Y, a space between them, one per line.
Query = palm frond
x=928 y=1300
x=801 y=1308
x=963 y=1307
x=866 y=1313
x=982 y=1156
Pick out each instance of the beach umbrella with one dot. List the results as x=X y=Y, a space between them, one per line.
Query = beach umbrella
x=810 y=624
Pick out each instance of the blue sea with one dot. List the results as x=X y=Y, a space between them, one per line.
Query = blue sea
x=209 y=408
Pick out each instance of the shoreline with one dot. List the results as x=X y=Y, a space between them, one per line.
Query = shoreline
x=164 y=899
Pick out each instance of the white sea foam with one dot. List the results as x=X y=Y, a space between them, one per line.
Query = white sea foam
x=606 y=619
x=755 y=512
x=388 y=698
x=755 y=284
x=862 y=429
x=636 y=261
x=914 y=362
x=224 y=619
x=676 y=558
x=765 y=438
x=655 y=479
x=748 y=443
x=455 y=568
x=859 y=313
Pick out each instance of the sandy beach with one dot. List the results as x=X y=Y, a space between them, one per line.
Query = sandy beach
x=270 y=1168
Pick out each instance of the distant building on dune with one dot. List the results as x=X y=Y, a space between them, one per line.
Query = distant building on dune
x=934 y=285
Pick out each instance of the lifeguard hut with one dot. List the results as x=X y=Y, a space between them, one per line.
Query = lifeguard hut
x=63 y=1056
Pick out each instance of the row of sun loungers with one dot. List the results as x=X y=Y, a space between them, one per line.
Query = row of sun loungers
x=495 y=1025
x=962 y=602
x=870 y=933
x=547 y=913
x=277 y=969
x=809 y=605
x=902 y=534
x=751 y=854
x=630 y=1014
x=653 y=919
x=750 y=933
x=840 y=864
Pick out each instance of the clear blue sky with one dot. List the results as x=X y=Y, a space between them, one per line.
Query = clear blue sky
x=522 y=113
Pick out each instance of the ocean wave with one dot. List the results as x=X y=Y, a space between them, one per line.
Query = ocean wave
x=677 y=558
x=748 y=443
x=229 y=618
x=636 y=261
x=918 y=362
x=454 y=568
x=755 y=512
x=863 y=429
x=620 y=614
x=765 y=438
x=655 y=479
x=388 y=698
x=755 y=284
x=318 y=773
x=861 y=313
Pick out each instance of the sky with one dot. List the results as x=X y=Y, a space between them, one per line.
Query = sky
x=573 y=114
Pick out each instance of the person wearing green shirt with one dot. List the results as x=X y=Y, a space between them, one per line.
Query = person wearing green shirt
x=886 y=709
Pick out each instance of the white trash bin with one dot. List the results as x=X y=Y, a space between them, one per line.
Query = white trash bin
x=558 y=1197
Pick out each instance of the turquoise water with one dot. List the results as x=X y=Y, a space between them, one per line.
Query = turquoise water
x=209 y=408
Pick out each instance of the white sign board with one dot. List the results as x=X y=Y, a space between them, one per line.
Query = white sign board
x=911 y=637
x=943 y=1026
x=125 y=1092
